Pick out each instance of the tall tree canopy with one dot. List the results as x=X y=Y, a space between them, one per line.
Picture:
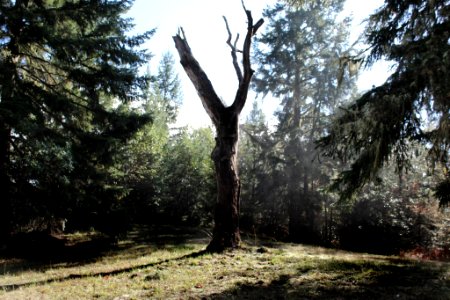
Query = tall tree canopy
x=299 y=56
x=65 y=64
x=413 y=105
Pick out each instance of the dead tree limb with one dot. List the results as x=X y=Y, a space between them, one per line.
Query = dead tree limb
x=226 y=121
x=210 y=101
x=233 y=51
x=244 y=84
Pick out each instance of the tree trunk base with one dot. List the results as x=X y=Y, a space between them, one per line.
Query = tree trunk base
x=220 y=244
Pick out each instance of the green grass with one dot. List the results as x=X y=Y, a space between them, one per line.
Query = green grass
x=170 y=264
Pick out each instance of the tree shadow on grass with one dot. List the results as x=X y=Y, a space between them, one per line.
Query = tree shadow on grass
x=40 y=251
x=11 y=287
x=340 y=279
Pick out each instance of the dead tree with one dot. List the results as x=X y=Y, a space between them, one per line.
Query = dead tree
x=226 y=121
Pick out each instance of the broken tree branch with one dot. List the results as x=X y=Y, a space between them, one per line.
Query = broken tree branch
x=243 y=5
x=257 y=25
x=210 y=101
x=244 y=84
x=233 y=51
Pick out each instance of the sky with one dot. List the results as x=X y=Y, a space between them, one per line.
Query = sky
x=203 y=24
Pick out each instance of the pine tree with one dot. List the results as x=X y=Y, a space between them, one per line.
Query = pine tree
x=411 y=106
x=64 y=64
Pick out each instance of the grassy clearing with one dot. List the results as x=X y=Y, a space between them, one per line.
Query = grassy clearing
x=170 y=264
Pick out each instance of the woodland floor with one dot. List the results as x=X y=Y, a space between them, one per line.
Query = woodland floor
x=169 y=263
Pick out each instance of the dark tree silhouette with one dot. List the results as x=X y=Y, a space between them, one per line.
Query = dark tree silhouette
x=63 y=65
x=225 y=119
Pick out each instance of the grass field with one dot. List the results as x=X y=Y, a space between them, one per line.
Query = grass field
x=167 y=263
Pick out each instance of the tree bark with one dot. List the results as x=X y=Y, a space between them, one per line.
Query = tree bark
x=226 y=215
x=226 y=121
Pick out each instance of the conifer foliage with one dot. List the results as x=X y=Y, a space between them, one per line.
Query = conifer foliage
x=299 y=64
x=65 y=65
x=412 y=105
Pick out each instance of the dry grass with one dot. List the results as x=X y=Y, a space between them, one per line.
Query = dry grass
x=170 y=264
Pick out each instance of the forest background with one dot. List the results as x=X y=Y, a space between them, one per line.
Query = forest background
x=115 y=153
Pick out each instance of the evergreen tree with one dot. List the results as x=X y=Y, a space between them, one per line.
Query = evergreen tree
x=187 y=186
x=252 y=165
x=263 y=205
x=397 y=214
x=64 y=64
x=140 y=165
x=412 y=105
x=299 y=63
x=168 y=86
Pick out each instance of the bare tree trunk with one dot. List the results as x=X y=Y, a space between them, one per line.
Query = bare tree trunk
x=226 y=216
x=226 y=120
